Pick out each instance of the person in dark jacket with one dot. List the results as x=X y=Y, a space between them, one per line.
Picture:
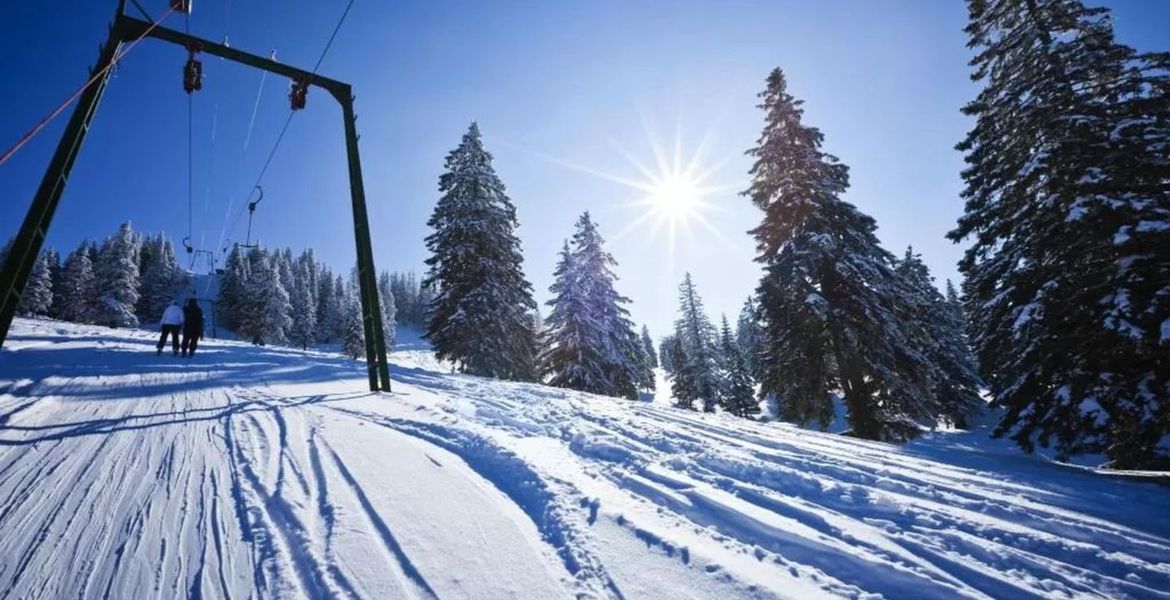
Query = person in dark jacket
x=192 y=327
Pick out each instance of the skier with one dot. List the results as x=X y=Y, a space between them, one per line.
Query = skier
x=172 y=321
x=192 y=327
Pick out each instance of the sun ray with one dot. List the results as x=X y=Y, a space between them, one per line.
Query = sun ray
x=675 y=194
x=632 y=226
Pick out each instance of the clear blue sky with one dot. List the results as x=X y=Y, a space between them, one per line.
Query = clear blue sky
x=559 y=89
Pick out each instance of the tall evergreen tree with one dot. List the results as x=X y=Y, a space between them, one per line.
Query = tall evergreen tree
x=37 y=298
x=160 y=277
x=590 y=341
x=479 y=316
x=282 y=262
x=749 y=334
x=1068 y=209
x=117 y=282
x=233 y=289
x=738 y=394
x=666 y=353
x=696 y=367
x=943 y=342
x=265 y=313
x=648 y=346
x=389 y=309
x=303 y=299
x=57 y=277
x=351 y=331
x=78 y=287
x=835 y=314
x=328 y=308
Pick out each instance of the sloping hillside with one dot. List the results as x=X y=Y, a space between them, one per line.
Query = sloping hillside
x=265 y=472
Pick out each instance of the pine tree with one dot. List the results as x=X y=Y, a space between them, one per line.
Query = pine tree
x=943 y=342
x=738 y=394
x=409 y=300
x=233 y=290
x=351 y=332
x=282 y=262
x=479 y=316
x=38 y=291
x=666 y=353
x=834 y=313
x=78 y=287
x=327 y=306
x=750 y=337
x=590 y=343
x=696 y=374
x=266 y=307
x=1069 y=212
x=648 y=347
x=303 y=299
x=389 y=309
x=160 y=278
x=117 y=282
x=56 y=277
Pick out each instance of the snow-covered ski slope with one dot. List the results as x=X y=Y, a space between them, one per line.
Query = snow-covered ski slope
x=265 y=472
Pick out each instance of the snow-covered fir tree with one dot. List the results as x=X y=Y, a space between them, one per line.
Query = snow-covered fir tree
x=233 y=289
x=328 y=305
x=749 y=334
x=737 y=391
x=116 y=277
x=479 y=318
x=303 y=300
x=944 y=343
x=351 y=331
x=338 y=307
x=264 y=317
x=648 y=347
x=835 y=314
x=389 y=309
x=282 y=262
x=78 y=287
x=37 y=298
x=666 y=352
x=1068 y=210
x=696 y=367
x=160 y=277
x=56 y=276
x=589 y=343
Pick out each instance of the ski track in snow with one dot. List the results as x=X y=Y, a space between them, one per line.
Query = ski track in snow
x=264 y=472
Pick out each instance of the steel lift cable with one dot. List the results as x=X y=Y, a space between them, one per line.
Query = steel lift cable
x=268 y=161
x=30 y=134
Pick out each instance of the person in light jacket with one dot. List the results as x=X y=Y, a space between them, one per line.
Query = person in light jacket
x=172 y=323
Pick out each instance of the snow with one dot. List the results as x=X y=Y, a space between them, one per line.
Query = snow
x=267 y=472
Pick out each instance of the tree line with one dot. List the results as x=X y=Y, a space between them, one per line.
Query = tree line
x=1063 y=317
x=123 y=280
x=267 y=296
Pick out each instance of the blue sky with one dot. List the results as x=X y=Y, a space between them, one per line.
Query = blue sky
x=562 y=91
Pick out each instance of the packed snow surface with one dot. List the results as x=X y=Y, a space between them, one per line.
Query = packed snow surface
x=266 y=472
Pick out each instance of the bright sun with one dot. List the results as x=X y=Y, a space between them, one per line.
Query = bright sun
x=675 y=193
x=675 y=196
